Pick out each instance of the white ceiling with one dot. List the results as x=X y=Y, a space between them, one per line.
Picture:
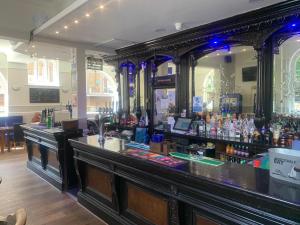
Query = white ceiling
x=124 y=22
x=19 y=16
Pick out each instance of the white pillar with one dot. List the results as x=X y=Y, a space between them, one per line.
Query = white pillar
x=81 y=87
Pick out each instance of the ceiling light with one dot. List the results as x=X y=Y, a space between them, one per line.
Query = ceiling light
x=298 y=40
x=218 y=54
x=66 y=27
x=87 y=15
x=33 y=46
x=244 y=50
x=101 y=7
x=76 y=21
x=57 y=32
x=229 y=52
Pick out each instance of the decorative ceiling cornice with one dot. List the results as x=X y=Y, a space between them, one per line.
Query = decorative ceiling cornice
x=255 y=21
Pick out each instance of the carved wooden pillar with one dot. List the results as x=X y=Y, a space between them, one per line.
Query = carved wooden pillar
x=193 y=64
x=118 y=80
x=259 y=93
x=176 y=61
x=138 y=92
x=268 y=80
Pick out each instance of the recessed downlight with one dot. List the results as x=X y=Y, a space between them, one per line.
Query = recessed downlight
x=87 y=15
x=66 y=27
x=76 y=21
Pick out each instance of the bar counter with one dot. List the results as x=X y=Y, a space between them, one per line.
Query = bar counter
x=50 y=154
x=122 y=189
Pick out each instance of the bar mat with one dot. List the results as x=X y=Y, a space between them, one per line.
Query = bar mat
x=154 y=157
x=204 y=160
x=138 y=145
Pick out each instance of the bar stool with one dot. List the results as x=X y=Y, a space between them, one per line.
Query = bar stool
x=19 y=218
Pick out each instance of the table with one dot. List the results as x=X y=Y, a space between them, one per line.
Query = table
x=3 y=131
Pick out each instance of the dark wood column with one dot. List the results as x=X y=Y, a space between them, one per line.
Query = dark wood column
x=267 y=84
x=183 y=87
x=138 y=92
x=260 y=74
x=176 y=61
x=117 y=76
x=193 y=64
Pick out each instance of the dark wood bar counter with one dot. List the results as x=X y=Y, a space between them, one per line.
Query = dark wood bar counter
x=50 y=154
x=122 y=189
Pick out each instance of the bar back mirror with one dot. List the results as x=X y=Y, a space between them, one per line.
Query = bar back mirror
x=164 y=93
x=127 y=88
x=286 y=78
x=101 y=89
x=224 y=81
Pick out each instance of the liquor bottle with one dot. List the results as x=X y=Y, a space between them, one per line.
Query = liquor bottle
x=247 y=154
x=201 y=128
x=231 y=130
x=268 y=136
x=207 y=127
x=219 y=128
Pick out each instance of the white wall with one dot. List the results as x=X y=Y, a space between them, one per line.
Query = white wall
x=18 y=88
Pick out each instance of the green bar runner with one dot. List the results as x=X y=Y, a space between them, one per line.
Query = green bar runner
x=204 y=160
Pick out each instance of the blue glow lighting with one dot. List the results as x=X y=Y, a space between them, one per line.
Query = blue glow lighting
x=215 y=42
x=293 y=25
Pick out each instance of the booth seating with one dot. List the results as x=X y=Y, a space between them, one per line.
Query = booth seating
x=7 y=130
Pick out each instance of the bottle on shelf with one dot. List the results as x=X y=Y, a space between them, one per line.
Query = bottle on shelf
x=201 y=127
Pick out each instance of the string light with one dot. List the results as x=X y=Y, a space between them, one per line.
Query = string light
x=86 y=15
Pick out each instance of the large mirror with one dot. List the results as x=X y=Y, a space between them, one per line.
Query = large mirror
x=286 y=77
x=101 y=90
x=128 y=88
x=164 y=93
x=224 y=81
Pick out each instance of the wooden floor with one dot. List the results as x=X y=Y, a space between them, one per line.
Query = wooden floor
x=45 y=205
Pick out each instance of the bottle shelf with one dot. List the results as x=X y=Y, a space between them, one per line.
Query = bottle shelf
x=253 y=146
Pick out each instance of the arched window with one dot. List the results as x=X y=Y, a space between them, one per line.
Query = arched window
x=3 y=94
x=286 y=81
x=43 y=72
x=209 y=89
x=297 y=69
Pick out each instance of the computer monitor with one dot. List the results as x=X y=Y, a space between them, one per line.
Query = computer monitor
x=183 y=124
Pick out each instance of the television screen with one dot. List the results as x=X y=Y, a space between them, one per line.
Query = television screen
x=249 y=73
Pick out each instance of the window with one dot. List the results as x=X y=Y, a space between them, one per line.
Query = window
x=43 y=72
x=298 y=69
x=101 y=89
x=286 y=78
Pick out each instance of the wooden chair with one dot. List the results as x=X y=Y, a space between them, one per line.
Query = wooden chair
x=19 y=218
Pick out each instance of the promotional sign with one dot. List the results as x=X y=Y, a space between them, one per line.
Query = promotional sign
x=197 y=104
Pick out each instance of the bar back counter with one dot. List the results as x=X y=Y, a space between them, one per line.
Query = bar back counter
x=50 y=154
x=122 y=189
